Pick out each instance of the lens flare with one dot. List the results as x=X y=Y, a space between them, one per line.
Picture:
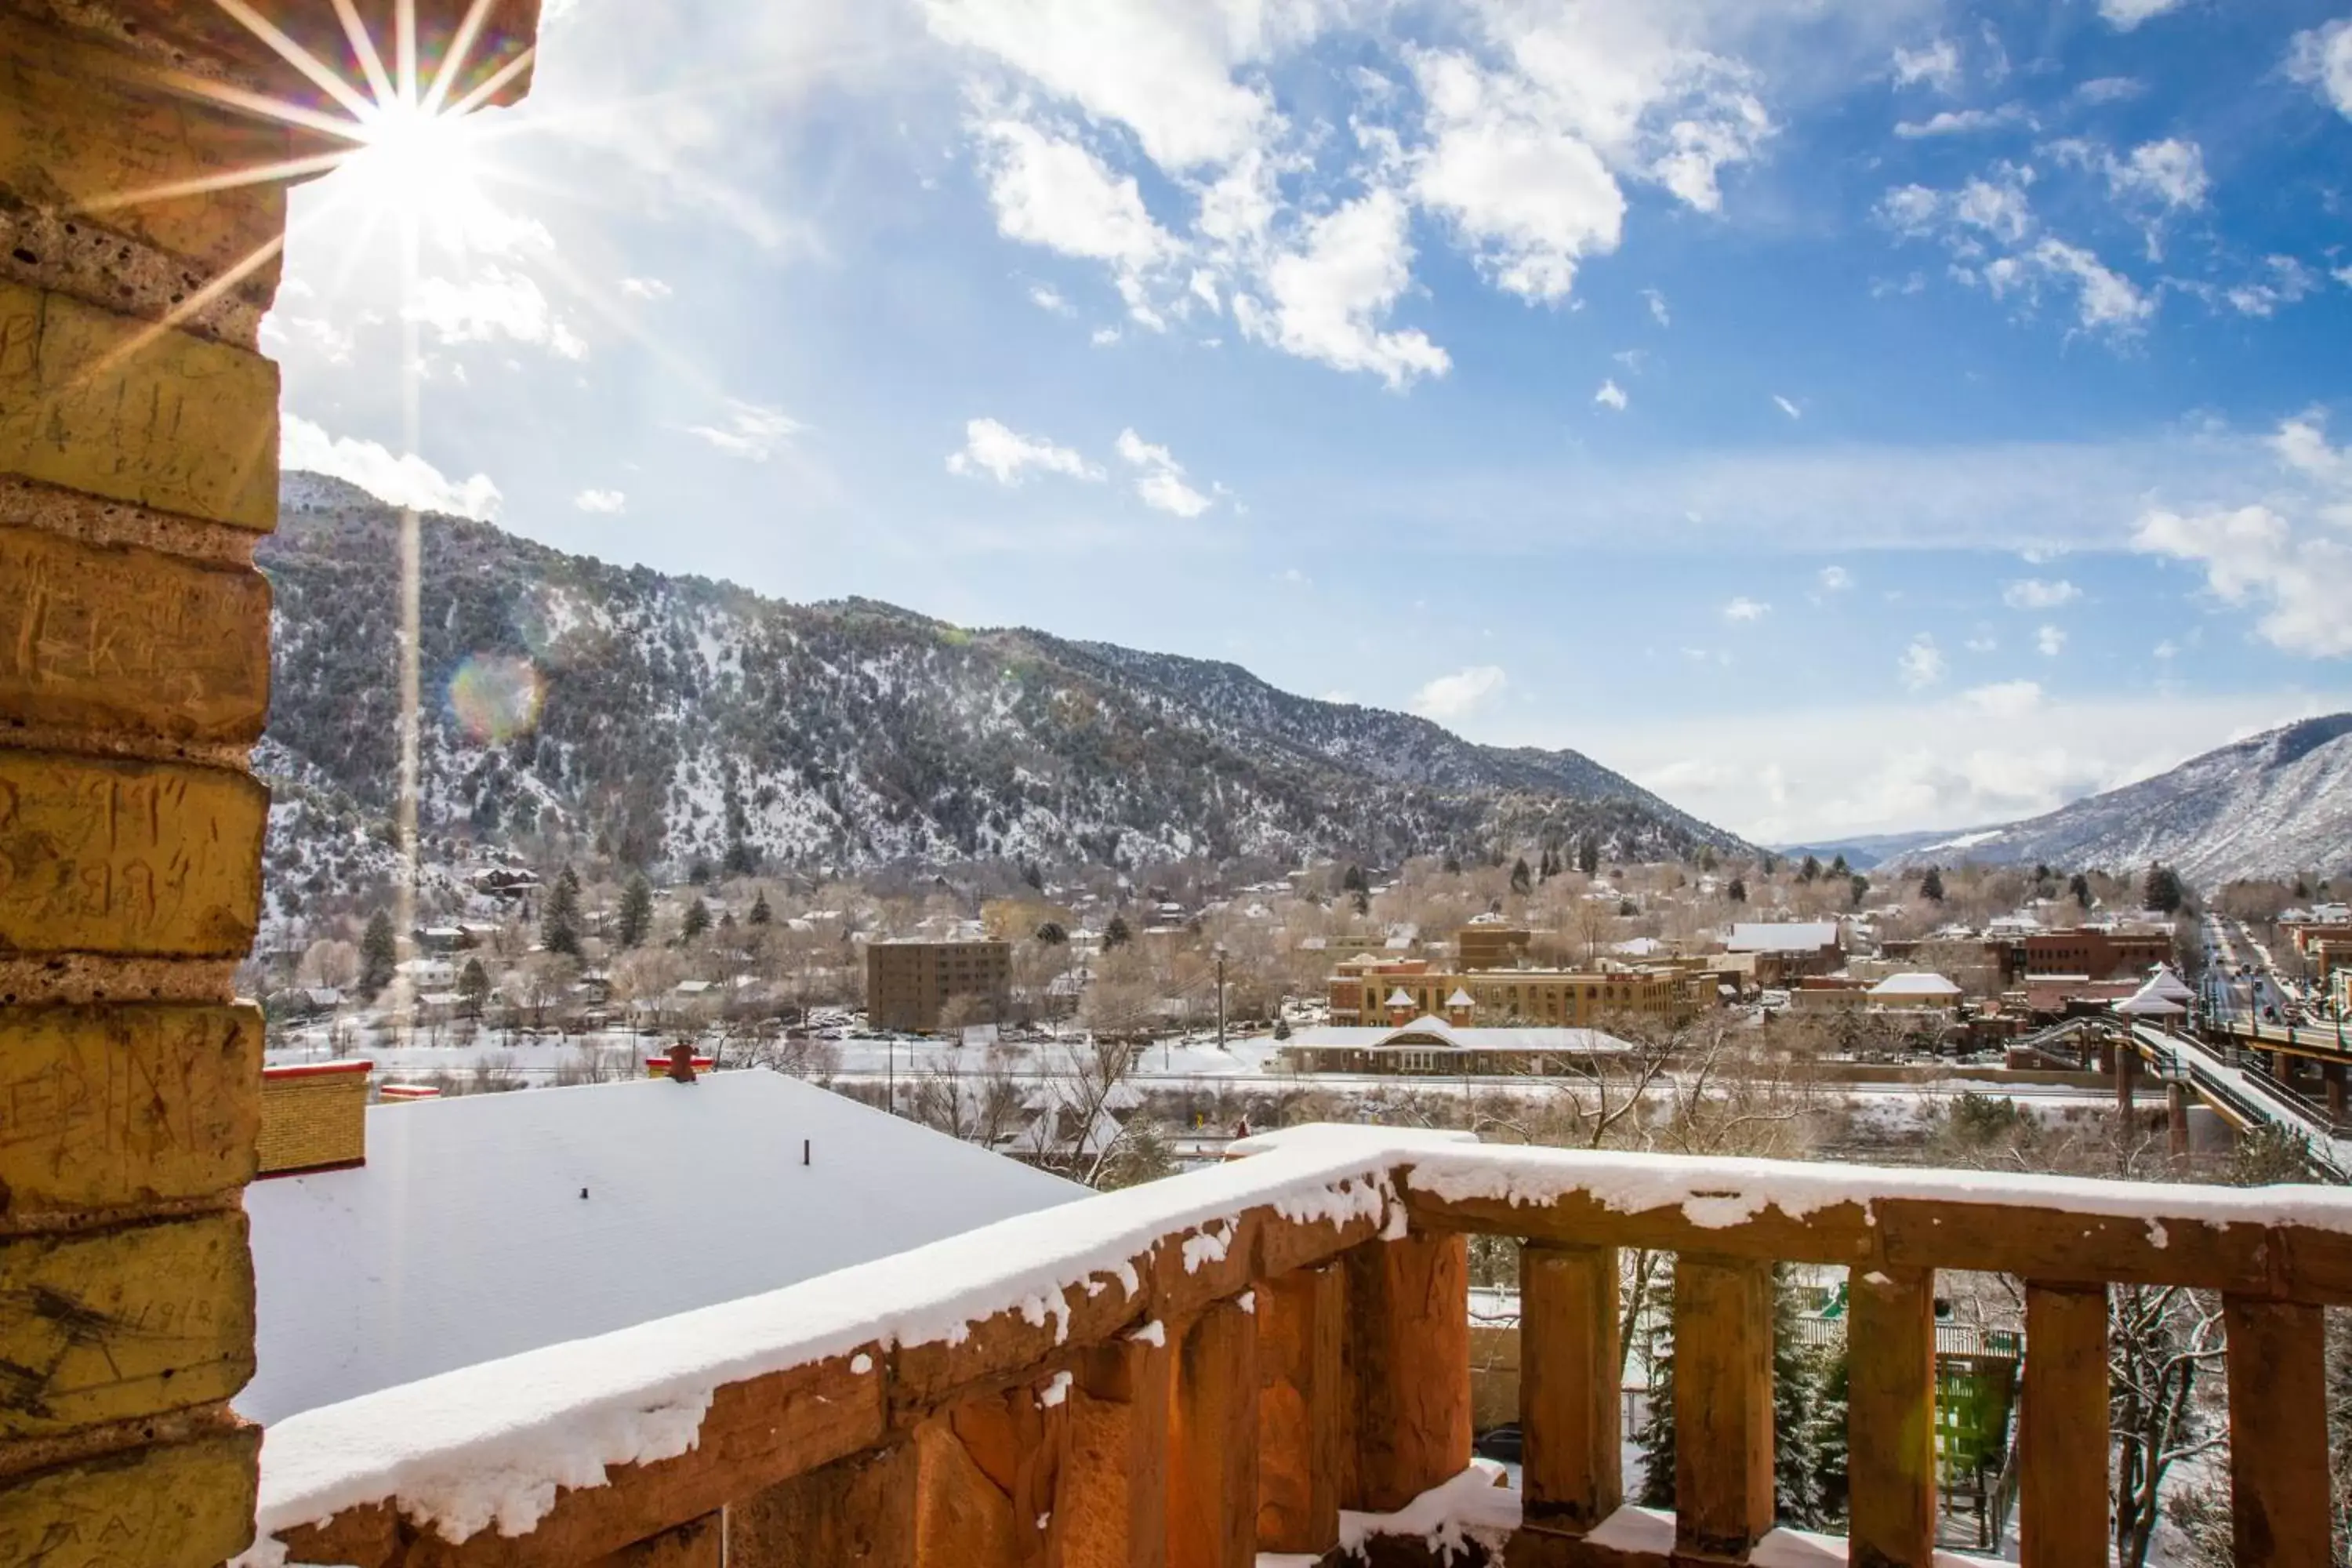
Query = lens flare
x=496 y=696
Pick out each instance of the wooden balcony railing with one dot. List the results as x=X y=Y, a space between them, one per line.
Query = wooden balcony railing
x=1261 y=1356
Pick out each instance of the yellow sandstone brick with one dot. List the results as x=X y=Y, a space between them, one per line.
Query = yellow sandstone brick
x=313 y=1118
x=107 y=1107
x=127 y=857
x=187 y=1505
x=79 y=131
x=116 y=1324
x=168 y=420
x=121 y=638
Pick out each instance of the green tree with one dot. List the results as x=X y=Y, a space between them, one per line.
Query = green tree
x=379 y=951
x=474 y=985
x=1809 y=871
x=1352 y=880
x=1838 y=868
x=2161 y=890
x=2079 y=886
x=1051 y=934
x=1521 y=881
x=1707 y=862
x=1282 y=1029
x=1931 y=886
x=741 y=859
x=760 y=913
x=1856 y=890
x=1116 y=934
x=1588 y=855
x=1804 y=1414
x=559 y=922
x=1738 y=892
x=697 y=919
x=636 y=911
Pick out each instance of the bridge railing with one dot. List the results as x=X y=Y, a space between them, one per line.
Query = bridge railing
x=1261 y=1356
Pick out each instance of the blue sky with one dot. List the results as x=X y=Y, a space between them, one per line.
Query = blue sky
x=1842 y=416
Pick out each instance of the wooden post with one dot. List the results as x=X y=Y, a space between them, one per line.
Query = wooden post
x=1569 y=1410
x=1301 y=1409
x=2126 y=1078
x=990 y=1469
x=1113 y=1505
x=1723 y=1405
x=2278 y=1431
x=1408 y=1360
x=2176 y=1119
x=859 y=1512
x=2331 y=1075
x=1891 y=1417
x=1213 y=1451
x=2063 y=1427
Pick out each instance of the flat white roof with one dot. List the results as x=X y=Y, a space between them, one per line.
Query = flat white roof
x=464 y=1237
x=1783 y=936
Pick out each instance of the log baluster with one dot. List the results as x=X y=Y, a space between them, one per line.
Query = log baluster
x=1569 y=1380
x=2062 y=1441
x=1301 y=1411
x=1409 y=1361
x=1212 y=1452
x=1891 y=1417
x=1723 y=1407
x=2278 y=1431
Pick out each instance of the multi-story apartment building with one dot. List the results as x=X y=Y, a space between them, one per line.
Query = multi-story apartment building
x=909 y=982
x=1394 y=993
x=2097 y=953
x=1490 y=945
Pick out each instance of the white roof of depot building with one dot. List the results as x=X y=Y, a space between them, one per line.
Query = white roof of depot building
x=1428 y=1032
x=1917 y=983
x=464 y=1238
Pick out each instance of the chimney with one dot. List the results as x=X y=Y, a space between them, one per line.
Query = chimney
x=313 y=1118
x=681 y=1063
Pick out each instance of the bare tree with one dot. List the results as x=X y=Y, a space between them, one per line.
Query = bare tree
x=2160 y=1342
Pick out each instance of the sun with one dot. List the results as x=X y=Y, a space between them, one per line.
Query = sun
x=409 y=158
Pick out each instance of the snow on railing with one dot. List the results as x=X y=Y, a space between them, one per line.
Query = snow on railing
x=491 y=1447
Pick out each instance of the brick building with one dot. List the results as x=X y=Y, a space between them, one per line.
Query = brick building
x=1490 y=945
x=2097 y=953
x=1393 y=993
x=909 y=982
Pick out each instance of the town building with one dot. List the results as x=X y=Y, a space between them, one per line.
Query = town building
x=1785 y=949
x=456 y=1230
x=1434 y=1047
x=909 y=983
x=1491 y=944
x=1367 y=992
x=2097 y=953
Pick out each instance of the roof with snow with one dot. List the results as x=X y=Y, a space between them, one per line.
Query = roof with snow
x=1915 y=985
x=1783 y=936
x=1400 y=997
x=465 y=1236
x=1429 y=1032
x=1461 y=998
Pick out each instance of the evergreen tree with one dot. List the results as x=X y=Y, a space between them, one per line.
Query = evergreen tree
x=1364 y=903
x=1453 y=867
x=474 y=985
x=1931 y=886
x=379 y=951
x=1809 y=871
x=1352 y=880
x=697 y=872
x=2079 y=886
x=559 y=924
x=636 y=911
x=1839 y=868
x=726 y=922
x=1800 y=1413
x=1116 y=934
x=1282 y=1029
x=2162 y=891
x=1654 y=1487
x=1547 y=865
x=1772 y=863
x=741 y=859
x=1588 y=855
x=1519 y=876
x=1738 y=892
x=1706 y=858
x=1035 y=875
x=1859 y=889
x=1051 y=934
x=2302 y=887
x=1143 y=1153
x=697 y=919
x=760 y=913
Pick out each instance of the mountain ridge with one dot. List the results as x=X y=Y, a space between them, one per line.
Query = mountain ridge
x=680 y=716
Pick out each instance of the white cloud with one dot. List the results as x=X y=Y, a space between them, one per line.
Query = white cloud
x=2040 y=594
x=1657 y=302
x=2050 y=641
x=493 y=303
x=1961 y=122
x=1743 y=610
x=1103 y=336
x=1938 y=65
x=2171 y=172
x=1331 y=296
x=1050 y=191
x=1835 y=579
x=1612 y=396
x=2109 y=90
x=1994 y=210
x=1529 y=198
x=1162 y=483
x=2298 y=577
x=2125 y=14
x=1048 y=298
x=2104 y=300
x=2288 y=282
x=1452 y=698
x=609 y=502
x=1922 y=664
x=2322 y=59
x=645 y=289
x=751 y=431
x=1983 y=642
x=993 y=448
x=1787 y=407
x=403 y=480
x=2004 y=700
x=2343 y=275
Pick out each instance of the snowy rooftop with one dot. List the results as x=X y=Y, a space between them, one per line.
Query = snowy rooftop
x=1428 y=1032
x=1915 y=985
x=1783 y=936
x=465 y=1236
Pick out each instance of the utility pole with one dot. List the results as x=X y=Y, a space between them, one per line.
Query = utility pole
x=1221 y=996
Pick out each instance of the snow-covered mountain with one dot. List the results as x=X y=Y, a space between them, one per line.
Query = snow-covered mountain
x=2268 y=806
x=677 y=717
